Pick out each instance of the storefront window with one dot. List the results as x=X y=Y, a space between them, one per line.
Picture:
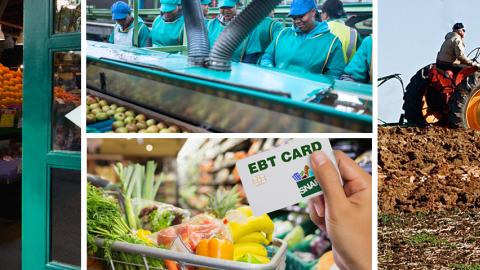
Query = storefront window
x=67 y=16
x=66 y=97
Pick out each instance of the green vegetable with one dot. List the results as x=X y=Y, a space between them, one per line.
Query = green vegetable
x=104 y=217
x=160 y=219
x=137 y=182
x=105 y=220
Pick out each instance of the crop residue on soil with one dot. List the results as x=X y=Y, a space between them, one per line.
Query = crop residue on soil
x=425 y=169
x=443 y=240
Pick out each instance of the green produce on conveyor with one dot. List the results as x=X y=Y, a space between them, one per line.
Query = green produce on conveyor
x=123 y=120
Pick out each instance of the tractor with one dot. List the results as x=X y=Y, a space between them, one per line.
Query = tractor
x=442 y=97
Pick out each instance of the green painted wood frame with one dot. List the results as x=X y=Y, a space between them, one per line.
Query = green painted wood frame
x=38 y=156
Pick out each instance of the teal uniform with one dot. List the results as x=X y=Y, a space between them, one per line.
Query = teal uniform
x=215 y=28
x=360 y=68
x=318 y=51
x=167 y=33
x=127 y=35
x=261 y=37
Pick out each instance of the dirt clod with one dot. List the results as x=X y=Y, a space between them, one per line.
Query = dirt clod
x=428 y=169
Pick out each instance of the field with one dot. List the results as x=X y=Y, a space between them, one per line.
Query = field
x=429 y=198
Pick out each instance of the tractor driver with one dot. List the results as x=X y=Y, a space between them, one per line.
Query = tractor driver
x=452 y=53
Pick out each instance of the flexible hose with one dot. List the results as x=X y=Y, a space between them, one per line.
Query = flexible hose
x=197 y=35
x=237 y=31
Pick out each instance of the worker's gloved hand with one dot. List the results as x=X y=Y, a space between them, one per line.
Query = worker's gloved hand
x=346 y=77
x=344 y=211
x=476 y=64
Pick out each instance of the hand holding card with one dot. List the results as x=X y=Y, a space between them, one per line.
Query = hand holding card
x=283 y=176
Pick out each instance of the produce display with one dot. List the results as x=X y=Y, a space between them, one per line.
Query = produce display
x=125 y=121
x=306 y=243
x=62 y=96
x=207 y=174
x=11 y=85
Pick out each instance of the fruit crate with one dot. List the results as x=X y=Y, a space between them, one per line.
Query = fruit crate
x=100 y=127
x=277 y=252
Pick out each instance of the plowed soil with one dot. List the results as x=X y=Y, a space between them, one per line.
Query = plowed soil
x=429 y=198
x=424 y=169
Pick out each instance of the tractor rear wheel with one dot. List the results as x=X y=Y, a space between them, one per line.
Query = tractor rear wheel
x=464 y=104
x=414 y=97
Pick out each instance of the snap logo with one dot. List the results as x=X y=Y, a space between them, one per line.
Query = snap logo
x=306 y=182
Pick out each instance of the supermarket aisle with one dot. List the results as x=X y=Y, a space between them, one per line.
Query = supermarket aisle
x=10 y=226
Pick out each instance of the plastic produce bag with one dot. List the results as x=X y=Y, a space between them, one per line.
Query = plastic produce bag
x=191 y=232
x=155 y=216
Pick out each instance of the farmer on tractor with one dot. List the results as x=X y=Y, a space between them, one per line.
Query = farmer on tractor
x=446 y=93
x=452 y=53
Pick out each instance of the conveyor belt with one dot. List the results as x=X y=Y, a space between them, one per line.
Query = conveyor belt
x=149 y=113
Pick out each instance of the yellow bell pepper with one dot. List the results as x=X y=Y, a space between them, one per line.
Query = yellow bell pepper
x=239 y=250
x=261 y=223
x=255 y=237
x=215 y=248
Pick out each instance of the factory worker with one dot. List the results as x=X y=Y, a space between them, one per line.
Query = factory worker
x=260 y=38
x=168 y=27
x=122 y=33
x=228 y=11
x=360 y=68
x=205 y=5
x=307 y=46
x=332 y=12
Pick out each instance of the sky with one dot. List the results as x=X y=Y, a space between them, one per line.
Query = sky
x=410 y=33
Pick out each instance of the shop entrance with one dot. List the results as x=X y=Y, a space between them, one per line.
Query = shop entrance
x=40 y=168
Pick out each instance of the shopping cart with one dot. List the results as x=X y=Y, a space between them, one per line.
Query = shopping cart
x=277 y=250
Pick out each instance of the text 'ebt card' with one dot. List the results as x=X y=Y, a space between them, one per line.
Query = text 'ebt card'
x=282 y=176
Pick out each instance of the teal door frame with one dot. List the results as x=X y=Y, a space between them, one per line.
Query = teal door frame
x=38 y=156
